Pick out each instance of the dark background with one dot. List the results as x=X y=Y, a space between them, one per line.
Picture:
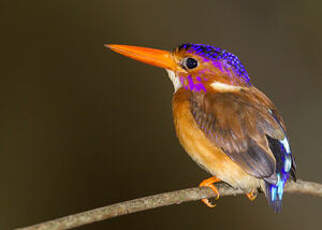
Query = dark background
x=82 y=127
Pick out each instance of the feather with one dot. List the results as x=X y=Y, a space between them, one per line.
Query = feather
x=246 y=126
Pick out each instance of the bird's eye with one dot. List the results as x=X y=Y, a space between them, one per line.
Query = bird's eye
x=190 y=63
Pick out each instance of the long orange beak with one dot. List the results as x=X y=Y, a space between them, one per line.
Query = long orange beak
x=159 y=58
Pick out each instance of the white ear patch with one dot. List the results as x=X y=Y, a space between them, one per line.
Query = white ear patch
x=175 y=80
x=222 y=87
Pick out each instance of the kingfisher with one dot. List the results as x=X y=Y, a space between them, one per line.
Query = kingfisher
x=224 y=123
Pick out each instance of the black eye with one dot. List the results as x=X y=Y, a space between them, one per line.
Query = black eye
x=190 y=63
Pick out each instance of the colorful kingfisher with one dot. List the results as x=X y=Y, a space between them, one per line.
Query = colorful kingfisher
x=229 y=127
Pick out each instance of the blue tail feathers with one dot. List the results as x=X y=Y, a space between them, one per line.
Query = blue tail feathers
x=284 y=167
x=274 y=193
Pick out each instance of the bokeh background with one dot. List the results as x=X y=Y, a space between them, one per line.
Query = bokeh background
x=82 y=127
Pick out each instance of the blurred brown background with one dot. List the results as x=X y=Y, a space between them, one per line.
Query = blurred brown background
x=82 y=127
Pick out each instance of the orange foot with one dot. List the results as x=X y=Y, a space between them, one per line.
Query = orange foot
x=251 y=195
x=209 y=183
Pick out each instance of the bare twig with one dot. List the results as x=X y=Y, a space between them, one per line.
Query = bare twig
x=159 y=200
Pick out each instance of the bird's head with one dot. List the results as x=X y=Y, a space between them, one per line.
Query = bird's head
x=195 y=67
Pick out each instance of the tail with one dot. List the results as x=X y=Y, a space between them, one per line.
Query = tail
x=285 y=166
x=274 y=194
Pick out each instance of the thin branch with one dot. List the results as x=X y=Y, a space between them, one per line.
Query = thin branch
x=160 y=200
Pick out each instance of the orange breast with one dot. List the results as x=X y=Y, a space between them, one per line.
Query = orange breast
x=197 y=145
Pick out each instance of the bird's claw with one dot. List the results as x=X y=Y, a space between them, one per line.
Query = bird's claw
x=251 y=195
x=209 y=183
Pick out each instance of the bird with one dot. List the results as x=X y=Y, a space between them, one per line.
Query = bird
x=227 y=126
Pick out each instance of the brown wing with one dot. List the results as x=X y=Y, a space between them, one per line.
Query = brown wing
x=238 y=122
